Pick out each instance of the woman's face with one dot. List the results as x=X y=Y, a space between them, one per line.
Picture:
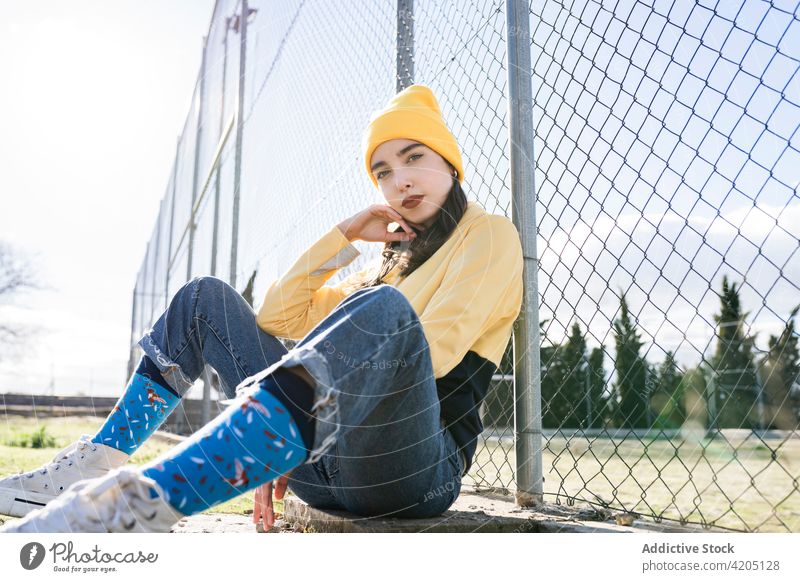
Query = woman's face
x=413 y=179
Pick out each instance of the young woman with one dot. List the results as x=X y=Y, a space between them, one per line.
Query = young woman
x=374 y=411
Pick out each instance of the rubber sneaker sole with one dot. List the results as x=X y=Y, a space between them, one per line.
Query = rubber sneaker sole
x=16 y=503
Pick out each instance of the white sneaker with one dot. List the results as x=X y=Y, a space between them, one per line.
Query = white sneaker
x=83 y=459
x=117 y=502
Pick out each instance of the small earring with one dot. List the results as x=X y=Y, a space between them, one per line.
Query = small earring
x=455 y=173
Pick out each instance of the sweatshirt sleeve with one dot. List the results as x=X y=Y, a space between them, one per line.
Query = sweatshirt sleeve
x=482 y=285
x=297 y=301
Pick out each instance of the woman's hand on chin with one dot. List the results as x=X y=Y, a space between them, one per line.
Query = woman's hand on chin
x=372 y=225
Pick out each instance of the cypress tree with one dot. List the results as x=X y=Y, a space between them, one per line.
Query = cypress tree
x=574 y=384
x=555 y=409
x=667 y=400
x=601 y=410
x=631 y=382
x=736 y=388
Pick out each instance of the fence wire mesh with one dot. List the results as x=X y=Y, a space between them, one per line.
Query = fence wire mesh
x=666 y=161
x=667 y=158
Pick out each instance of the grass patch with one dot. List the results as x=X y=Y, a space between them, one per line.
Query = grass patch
x=38 y=439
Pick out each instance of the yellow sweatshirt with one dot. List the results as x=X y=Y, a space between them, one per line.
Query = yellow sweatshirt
x=467 y=296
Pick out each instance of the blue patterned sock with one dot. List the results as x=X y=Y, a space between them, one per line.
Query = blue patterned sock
x=142 y=408
x=254 y=441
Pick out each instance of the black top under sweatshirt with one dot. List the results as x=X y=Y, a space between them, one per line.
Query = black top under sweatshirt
x=461 y=392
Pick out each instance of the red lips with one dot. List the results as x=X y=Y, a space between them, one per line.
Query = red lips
x=412 y=201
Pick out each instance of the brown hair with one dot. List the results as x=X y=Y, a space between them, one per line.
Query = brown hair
x=425 y=244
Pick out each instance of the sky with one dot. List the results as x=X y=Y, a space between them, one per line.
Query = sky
x=94 y=97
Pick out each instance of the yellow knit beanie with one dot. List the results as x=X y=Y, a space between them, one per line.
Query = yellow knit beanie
x=412 y=114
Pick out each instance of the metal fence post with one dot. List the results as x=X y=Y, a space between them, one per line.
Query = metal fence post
x=171 y=222
x=405 y=44
x=195 y=173
x=131 y=362
x=711 y=401
x=587 y=381
x=237 y=169
x=157 y=251
x=762 y=425
x=147 y=274
x=218 y=174
x=527 y=368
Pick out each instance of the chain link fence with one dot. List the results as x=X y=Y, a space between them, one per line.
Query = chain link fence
x=666 y=178
x=664 y=164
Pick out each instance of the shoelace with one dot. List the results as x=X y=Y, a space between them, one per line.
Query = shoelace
x=64 y=454
x=122 y=512
x=69 y=451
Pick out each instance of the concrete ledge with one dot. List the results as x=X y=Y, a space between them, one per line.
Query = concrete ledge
x=473 y=512
x=215 y=523
x=231 y=523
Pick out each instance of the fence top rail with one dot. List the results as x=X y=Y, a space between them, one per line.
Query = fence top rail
x=730 y=434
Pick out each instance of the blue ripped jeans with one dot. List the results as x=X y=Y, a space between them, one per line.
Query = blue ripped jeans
x=379 y=447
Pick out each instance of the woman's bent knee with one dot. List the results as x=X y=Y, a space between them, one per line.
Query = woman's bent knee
x=208 y=286
x=386 y=299
x=208 y=281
